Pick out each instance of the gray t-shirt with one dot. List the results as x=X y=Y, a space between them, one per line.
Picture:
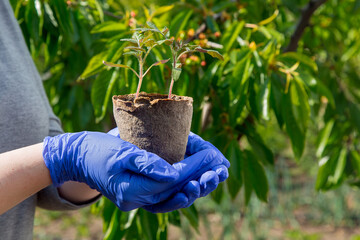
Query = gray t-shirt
x=25 y=119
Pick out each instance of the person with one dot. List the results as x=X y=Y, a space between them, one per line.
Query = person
x=42 y=166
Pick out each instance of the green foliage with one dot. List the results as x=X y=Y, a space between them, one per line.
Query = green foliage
x=316 y=85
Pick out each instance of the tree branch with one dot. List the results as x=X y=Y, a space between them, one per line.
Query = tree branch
x=306 y=14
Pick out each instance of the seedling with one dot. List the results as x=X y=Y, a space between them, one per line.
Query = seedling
x=140 y=47
x=178 y=49
x=142 y=43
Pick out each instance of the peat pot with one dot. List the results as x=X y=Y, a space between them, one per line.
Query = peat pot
x=155 y=123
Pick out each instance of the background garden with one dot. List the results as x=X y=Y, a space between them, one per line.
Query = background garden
x=283 y=107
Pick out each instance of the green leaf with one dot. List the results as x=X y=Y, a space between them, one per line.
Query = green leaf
x=340 y=165
x=131 y=53
x=95 y=64
x=166 y=41
x=300 y=104
x=215 y=54
x=153 y=26
x=149 y=224
x=264 y=154
x=239 y=85
x=161 y=62
x=262 y=98
x=331 y=169
x=179 y=22
x=136 y=49
x=257 y=176
x=355 y=115
x=300 y=58
x=324 y=136
x=101 y=92
x=247 y=180
x=297 y=136
x=269 y=19
x=199 y=49
x=115 y=64
x=161 y=10
x=129 y=40
x=174 y=218
x=112 y=230
x=175 y=73
x=355 y=159
x=49 y=12
x=231 y=34
x=33 y=21
x=218 y=194
x=234 y=182
x=192 y=215
x=211 y=24
x=63 y=16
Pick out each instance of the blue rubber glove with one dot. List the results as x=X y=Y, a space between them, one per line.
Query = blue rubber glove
x=128 y=176
x=200 y=186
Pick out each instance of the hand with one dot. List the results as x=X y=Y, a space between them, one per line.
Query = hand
x=203 y=184
x=128 y=176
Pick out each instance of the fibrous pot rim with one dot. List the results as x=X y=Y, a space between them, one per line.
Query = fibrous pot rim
x=126 y=102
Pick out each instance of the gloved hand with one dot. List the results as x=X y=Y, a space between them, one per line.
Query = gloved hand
x=128 y=176
x=201 y=186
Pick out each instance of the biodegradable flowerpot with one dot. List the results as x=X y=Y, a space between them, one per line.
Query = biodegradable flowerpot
x=155 y=123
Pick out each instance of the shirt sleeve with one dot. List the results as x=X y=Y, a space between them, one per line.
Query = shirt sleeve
x=49 y=197
x=13 y=46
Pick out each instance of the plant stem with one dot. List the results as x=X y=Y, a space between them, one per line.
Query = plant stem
x=172 y=78
x=140 y=79
x=171 y=86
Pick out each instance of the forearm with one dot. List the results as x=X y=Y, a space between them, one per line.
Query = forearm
x=22 y=174
x=76 y=192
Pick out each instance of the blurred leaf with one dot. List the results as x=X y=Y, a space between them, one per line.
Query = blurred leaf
x=324 y=136
x=211 y=24
x=62 y=16
x=218 y=194
x=262 y=99
x=174 y=218
x=153 y=26
x=149 y=224
x=331 y=169
x=180 y=21
x=175 y=73
x=299 y=57
x=257 y=176
x=355 y=115
x=101 y=92
x=112 y=231
x=234 y=182
x=109 y=26
x=192 y=216
x=161 y=10
x=269 y=19
x=264 y=154
x=297 y=136
x=215 y=54
x=231 y=34
x=95 y=64
x=240 y=84
x=340 y=165
x=355 y=159
x=129 y=40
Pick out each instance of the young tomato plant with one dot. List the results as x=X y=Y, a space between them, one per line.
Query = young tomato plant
x=178 y=49
x=142 y=42
x=140 y=47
